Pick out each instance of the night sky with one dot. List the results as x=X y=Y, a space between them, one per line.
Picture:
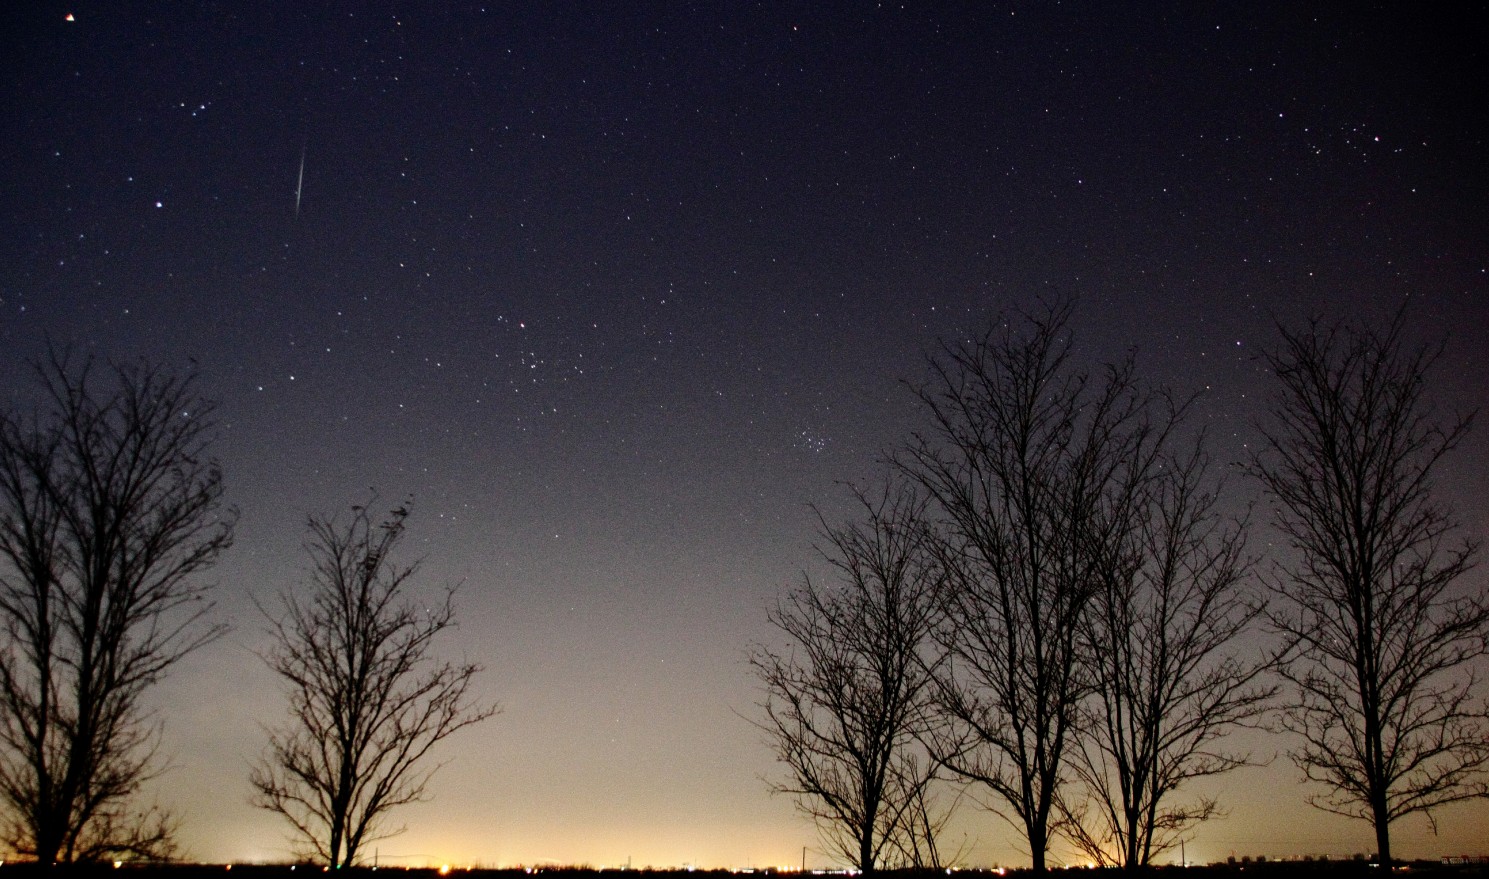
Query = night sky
x=614 y=294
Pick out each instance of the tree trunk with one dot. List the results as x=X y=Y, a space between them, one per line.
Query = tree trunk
x=337 y=830
x=1037 y=845
x=48 y=843
x=1382 y=830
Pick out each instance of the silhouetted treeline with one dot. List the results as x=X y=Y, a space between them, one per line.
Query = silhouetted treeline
x=1044 y=603
x=1336 y=868
x=1053 y=603
x=110 y=513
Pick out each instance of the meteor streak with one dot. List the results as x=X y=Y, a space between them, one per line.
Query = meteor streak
x=299 y=182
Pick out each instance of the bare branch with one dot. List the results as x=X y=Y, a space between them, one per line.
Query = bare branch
x=368 y=701
x=844 y=705
x=1028 y=464
x=109 y=508
x=1381 y=639
x=1160 y=646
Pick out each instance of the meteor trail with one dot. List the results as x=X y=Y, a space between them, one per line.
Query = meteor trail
x=299 y=182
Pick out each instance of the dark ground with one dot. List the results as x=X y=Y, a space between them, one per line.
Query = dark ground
x=1339 y=869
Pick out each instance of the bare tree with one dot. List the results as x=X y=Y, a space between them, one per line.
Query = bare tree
x=1027 y=465
x=1169 y=681
x=1383 y=641
x=368 y=700
x=109 y=508
x=844 y=704
x=916 y=841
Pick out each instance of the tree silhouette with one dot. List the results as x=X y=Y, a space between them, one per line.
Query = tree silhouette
x=846 y=699
x=1382 y=640
x=1027 y=465
x=1169 y=682
x=368 y=700
x=109 y=507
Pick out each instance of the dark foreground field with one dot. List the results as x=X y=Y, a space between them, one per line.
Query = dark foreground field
x=1256 y=870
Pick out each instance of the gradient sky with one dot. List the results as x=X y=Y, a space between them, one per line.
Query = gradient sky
x=615 y=290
